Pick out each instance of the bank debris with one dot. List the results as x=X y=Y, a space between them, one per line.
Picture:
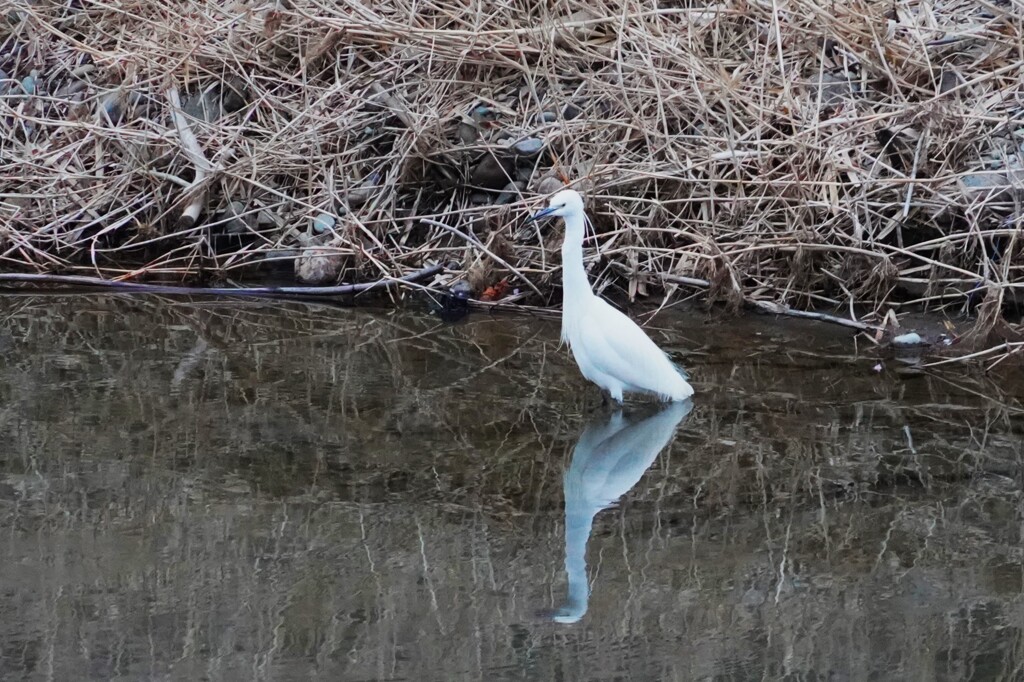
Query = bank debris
x=788 y=154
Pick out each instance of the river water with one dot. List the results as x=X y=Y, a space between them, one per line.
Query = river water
x=225 y=490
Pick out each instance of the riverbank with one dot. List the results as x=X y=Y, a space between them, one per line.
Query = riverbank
x=779 y=155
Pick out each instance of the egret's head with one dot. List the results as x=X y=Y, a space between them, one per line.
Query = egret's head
x=562 y=204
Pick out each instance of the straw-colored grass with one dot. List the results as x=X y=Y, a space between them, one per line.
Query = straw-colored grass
x=804 y=153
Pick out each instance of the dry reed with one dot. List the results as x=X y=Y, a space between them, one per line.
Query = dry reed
x=854 y=155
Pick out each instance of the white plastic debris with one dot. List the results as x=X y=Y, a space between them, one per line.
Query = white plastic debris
x=909 y=339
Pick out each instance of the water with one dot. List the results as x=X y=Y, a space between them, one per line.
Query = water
x=238 y=491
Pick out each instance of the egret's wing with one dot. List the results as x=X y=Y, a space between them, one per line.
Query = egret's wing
x=619 y=348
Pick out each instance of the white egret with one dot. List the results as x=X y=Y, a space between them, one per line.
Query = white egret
x=610 y=457
x=610 y=349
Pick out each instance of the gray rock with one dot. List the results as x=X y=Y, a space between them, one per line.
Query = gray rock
x=512 y=191
x=217 y=100
x=237 y=221
x=83 y=70
x=832 y=88
x=204 y=106
x=530 y=146
x=234 y=95
x=28 y=84
x=480 y=198
x=360 y=195
x=109 y=107
x=949 y=80
x=492 y=172
x=323 y=223
x=548 y=117
x=68 y=89
x=991 y=184
x=468 y=133
x=549 y=185
x=571 y=111
x=267 y=218
x=319 y=265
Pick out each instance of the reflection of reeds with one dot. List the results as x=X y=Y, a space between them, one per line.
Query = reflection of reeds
x=241 y=491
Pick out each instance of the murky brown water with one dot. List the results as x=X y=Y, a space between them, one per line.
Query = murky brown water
x=240 y=491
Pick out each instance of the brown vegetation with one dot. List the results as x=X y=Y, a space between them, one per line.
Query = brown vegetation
x=796 y=153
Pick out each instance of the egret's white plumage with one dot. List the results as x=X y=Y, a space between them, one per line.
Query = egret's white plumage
x=610 y=349
x=610 y=457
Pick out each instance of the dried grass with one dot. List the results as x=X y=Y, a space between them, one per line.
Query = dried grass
x=796 y=152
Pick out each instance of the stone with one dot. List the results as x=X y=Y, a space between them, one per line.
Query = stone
x=237 y=222
x=492 y=172
x=319 y=265
x=323 y=223
x=550 y=185
x=529 y=146
x=832 y=88
x=234 y=95
x=949 y=80
x=267 y=218
x=109 y=107
x=204 y=106
x=362 y=194
x=993 y=185
x=468 y=133
x=510 y=193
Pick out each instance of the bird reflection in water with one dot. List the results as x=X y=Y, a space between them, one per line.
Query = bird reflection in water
x=610 y=458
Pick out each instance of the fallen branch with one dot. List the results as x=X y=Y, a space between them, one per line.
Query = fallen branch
x=135 y=287
x=195 y=154
x=781 y=308
x=1010 y=347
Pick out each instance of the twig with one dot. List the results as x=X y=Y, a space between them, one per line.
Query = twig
x=135 y=287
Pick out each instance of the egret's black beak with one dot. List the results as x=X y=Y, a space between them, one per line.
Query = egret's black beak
x=540 y=215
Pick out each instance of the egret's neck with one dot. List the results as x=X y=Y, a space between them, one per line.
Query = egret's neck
x=575 y=286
